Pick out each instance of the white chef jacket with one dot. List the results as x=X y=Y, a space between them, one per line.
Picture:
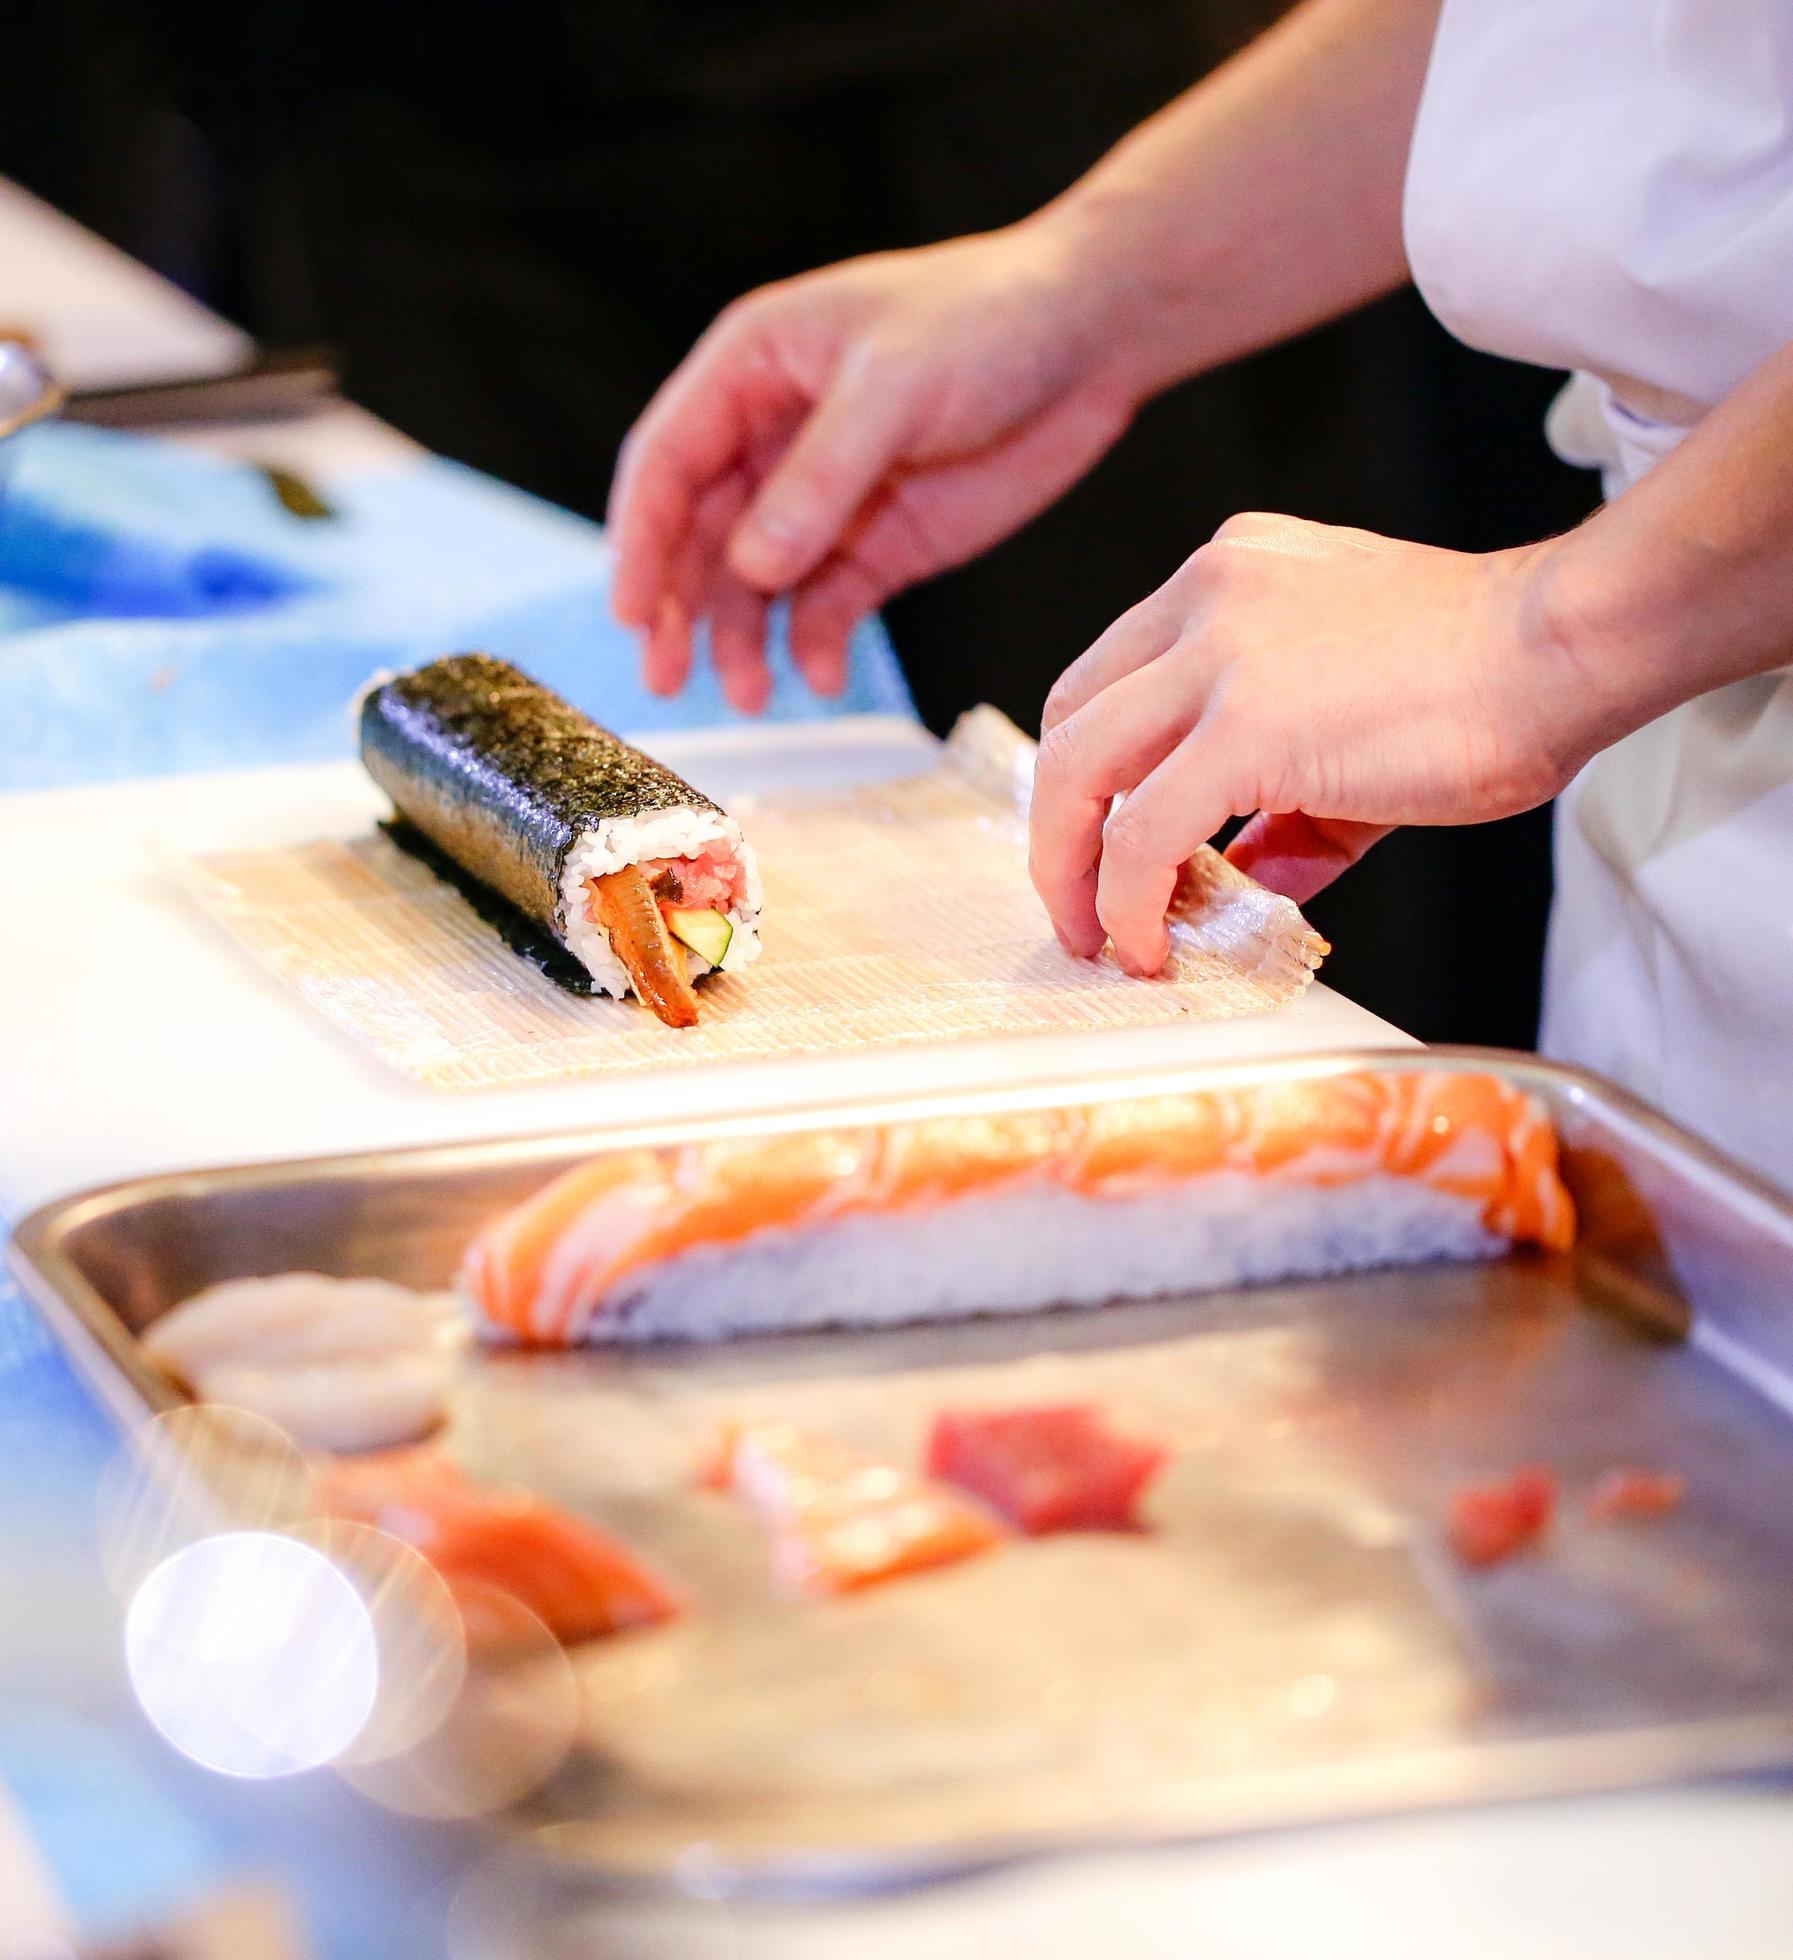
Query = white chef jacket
x=1607 y=185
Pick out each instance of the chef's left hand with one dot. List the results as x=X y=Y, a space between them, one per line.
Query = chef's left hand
x=1332 y=682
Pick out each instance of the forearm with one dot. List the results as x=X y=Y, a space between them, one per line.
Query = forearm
x=1265 y=200
x=1685 y=582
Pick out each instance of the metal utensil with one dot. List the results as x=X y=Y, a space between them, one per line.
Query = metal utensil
x=277 y=383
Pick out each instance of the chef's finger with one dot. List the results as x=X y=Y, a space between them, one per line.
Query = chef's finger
x=834 y=462
x=1153 y=833
x=1299 y=855
x=825 y=609
x=738 y=644
x=1139 y=636
x=666 y=659
x=693 y=431
x=1108 y=747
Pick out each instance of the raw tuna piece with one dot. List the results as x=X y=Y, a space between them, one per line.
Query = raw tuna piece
x=1049 y=1469
x=1490 y=1522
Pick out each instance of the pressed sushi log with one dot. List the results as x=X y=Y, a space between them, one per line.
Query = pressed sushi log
x=954 y=1216
x=644 y=880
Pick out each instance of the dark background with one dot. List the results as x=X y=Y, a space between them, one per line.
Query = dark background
x=513 y=219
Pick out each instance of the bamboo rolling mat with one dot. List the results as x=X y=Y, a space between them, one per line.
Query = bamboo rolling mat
x=894 y=914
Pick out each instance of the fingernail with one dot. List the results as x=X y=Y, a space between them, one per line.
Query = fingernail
x=749 y=696
x=1136 y=968
x=763 y=555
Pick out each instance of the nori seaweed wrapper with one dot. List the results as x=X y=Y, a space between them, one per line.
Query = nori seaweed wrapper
x=503 y=775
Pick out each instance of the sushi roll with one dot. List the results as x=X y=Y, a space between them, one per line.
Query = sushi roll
x=645 y=881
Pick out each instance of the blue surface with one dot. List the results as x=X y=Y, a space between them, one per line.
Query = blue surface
x=160 y=612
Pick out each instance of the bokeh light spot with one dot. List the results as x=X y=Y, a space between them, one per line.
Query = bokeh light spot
x=253 y=1654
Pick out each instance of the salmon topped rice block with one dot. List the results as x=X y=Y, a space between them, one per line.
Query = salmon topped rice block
x=947 y=1217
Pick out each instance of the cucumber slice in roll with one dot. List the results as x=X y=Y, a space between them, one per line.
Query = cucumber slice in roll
x=706 y=933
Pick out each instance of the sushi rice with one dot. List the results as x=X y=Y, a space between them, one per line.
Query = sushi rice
x=1034 y=1245
x=619 y=841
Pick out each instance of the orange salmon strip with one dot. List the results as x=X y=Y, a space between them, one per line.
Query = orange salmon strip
x=541 y=1271
x=841 y=1521
x=579 y=1581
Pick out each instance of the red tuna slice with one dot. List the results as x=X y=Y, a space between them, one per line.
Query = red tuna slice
x=1047 y=1469
x=1490 y=1522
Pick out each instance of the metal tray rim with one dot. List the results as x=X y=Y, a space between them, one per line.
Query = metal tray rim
x=1466 y=1776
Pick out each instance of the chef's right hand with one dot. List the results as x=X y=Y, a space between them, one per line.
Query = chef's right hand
x=842 y=435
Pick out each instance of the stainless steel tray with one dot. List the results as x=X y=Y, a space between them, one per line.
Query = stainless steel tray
x=1291 y=1642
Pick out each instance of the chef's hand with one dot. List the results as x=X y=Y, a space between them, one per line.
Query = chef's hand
x=1333 y=682
x=840 y=436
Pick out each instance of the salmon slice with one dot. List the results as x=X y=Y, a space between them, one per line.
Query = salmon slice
x=1537 y=1206
x=1479 y=1138
x=727 y=1189
x=1154 y=1141
x=840 y=1520
x=1338 y=1121
x=945 y=1157
x=579 y=1581
x=604 y=1207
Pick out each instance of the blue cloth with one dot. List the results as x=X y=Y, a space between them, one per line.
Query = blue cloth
x=161 y=611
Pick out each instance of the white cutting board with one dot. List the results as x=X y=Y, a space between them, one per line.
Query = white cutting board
x=136 y=1036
